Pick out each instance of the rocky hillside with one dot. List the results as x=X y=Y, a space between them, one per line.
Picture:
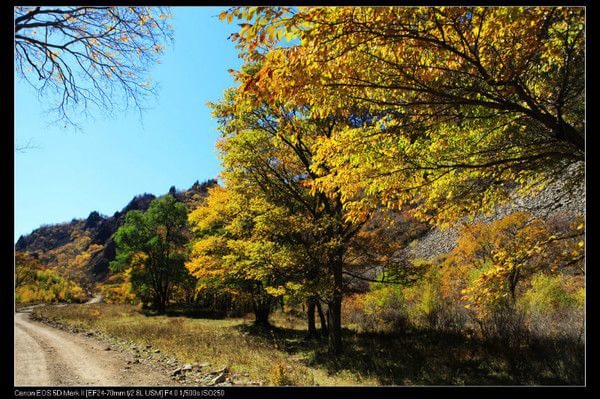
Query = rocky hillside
x=565 y=195
x=83 y=248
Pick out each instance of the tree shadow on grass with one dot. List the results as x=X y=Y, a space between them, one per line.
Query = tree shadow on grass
x=189 y=312
x=425 y=357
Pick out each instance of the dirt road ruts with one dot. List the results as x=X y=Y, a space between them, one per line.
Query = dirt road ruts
x=47 y=356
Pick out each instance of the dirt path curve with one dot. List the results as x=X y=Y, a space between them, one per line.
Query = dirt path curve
x=46 y=356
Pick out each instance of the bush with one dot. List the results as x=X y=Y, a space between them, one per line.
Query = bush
x=381 y=310
x=117 y=293
x=435 y=303
x=555 y=305
x=505 y=324
x=280 y=375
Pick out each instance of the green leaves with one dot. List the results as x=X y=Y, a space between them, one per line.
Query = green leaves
x=153 y=245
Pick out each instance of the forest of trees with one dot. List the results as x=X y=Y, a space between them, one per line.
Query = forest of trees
x=350 y=133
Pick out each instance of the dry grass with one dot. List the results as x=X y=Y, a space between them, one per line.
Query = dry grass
x=282 y=356
x=231 y=342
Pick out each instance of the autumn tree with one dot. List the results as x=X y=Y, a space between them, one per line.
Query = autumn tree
x=267 y=148
x=466 y=104
x=77 y=56
x=151 y=245
x=237 y=249
x=510 y=251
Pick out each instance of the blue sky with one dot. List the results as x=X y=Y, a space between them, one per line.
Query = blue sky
x=71 y=173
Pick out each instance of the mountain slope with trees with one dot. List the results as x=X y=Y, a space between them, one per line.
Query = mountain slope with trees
x=81 y=250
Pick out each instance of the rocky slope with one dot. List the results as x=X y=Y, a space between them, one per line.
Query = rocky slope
x=564 y=195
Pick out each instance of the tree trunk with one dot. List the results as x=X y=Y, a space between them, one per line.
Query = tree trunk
x=323 y=320
x=334 y=310
x=262 y=309
x=310 y=317
x=160 y=305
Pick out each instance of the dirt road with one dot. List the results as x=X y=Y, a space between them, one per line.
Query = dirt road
x=46 y=356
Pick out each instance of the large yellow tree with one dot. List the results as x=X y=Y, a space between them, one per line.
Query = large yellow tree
x=464 y=104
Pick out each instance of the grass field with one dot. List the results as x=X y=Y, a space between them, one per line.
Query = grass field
x=282 y=356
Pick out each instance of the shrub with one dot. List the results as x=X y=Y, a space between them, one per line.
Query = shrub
x=382 y=310
x=555 y=305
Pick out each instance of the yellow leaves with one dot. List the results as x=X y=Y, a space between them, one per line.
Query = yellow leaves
x=245 y=27
x=309 y=70
x=276 y=291
x=506 y=252
x=123 y=38
x=271 y=31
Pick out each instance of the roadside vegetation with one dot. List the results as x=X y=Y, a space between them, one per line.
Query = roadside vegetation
x=281 y=355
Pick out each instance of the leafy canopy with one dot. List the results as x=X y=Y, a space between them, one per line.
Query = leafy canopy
x=464 y=103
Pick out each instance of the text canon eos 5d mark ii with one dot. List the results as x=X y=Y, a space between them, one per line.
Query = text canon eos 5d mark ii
x=41 y=393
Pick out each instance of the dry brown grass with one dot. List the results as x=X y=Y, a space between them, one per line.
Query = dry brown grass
x=220 y=343
x=282 y=356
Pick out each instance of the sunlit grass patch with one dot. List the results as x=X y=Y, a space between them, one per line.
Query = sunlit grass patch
x=219 y=343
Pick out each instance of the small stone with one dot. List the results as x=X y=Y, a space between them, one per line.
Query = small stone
x=107 y=348
x=156 y=350
x=218 y=379
x=175 y=372
x=187 y=367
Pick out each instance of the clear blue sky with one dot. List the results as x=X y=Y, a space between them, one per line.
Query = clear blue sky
x=72 y=173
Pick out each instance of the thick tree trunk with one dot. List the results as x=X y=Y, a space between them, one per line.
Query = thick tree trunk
x=160 y=305
x=262 y=309
x=334 y=323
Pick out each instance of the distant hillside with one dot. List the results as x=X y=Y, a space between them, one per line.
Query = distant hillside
x=83 y=248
